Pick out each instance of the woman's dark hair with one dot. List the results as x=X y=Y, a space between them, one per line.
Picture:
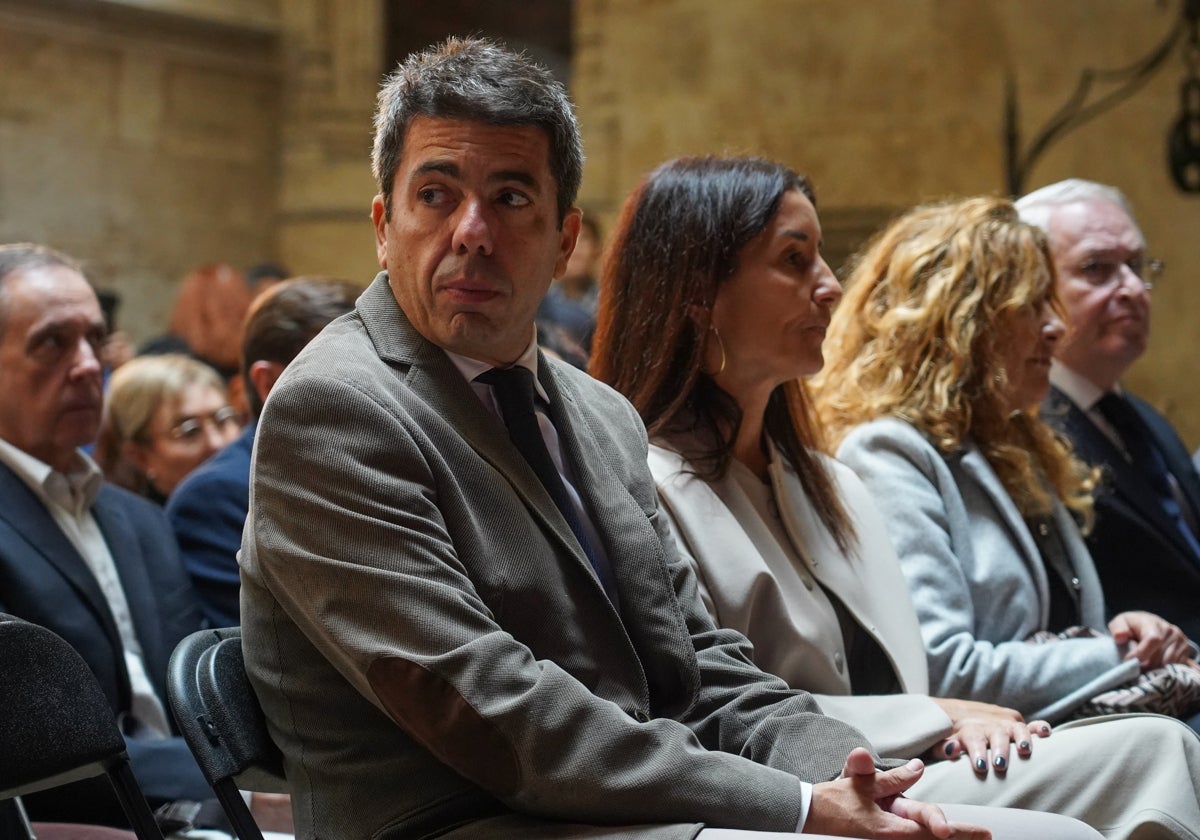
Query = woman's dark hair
x=676 y=241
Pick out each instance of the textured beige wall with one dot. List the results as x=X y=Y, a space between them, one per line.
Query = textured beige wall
x=144 y=144
x=148 y=141
x=332 y=63
x=886 y=104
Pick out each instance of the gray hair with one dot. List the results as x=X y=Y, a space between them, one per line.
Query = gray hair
x=477 y=79
x=22 y=256
x=1037 y=208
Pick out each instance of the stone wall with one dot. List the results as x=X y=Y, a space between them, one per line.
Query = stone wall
x=887 y=104
x=151 y=135
x=332 y=65
x=140 y=137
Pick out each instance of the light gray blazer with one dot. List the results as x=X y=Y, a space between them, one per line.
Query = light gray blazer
x=431 y=647
x=977 y=578
x=752 y=586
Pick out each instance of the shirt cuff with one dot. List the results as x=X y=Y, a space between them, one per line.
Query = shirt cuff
x=806 y=790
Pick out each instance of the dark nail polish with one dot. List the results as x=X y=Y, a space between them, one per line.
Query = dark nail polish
x=1000 y=762
x=1024 y=745
x=981 y=765
x=950 y=748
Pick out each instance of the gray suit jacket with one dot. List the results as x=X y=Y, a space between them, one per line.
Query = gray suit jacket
x=431 y=647
x=977 y=578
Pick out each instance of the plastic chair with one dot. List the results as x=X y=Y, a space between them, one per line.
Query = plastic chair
x=56 y=725
x=223 y=724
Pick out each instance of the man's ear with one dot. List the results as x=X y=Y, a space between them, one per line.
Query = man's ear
x=566 y=243
x=264 y=375
x=379 y=220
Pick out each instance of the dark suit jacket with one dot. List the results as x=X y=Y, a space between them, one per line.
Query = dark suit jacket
x=1144 y=562
x=207 y=511
x=44 y=580
x=429 y=642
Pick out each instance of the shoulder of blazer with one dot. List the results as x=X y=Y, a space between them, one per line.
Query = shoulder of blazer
x=29 y=519
x=891 y=434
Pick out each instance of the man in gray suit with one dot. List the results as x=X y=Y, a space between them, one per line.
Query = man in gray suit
x=466 y=630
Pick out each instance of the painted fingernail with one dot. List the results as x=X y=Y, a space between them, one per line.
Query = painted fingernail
x=1000 y=762
x=981 y=765
x=950 y=748
x=1024 y=745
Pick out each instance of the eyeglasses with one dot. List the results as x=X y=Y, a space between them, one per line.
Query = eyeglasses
x=190 y=429
x=1103 y=273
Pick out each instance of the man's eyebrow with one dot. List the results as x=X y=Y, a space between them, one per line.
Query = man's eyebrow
x=440 y=166
x=61 y=325
x=520 y=176
x=452 y=170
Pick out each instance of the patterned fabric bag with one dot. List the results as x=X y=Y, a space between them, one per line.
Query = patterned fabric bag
x=1172 y=690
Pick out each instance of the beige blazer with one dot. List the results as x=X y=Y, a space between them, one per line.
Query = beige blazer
x=748 y=584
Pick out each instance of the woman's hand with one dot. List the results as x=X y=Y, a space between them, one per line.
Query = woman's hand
x=1153 y=641
x=985 y=733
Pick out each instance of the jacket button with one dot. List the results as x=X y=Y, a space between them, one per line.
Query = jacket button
x=1075 y=583
x=641 y=716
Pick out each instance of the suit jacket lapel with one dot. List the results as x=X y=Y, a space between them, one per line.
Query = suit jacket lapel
x=976 y=467
x=1177 y=460
x=28 y=517
x=650 y=616
x=1120 y=478
x=127 y=556
x=432 y=376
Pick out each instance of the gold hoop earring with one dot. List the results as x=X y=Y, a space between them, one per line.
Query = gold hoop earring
x=720 y=344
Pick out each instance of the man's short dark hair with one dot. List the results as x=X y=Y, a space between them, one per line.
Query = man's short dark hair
x=286 y=317
x=22 y=256
x=477 y=79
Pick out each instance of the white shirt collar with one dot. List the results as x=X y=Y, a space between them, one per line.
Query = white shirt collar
x=471 y=368
x=74 y=491
x=1078 y=388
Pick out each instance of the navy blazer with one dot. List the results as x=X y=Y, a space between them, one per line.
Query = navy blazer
x=44 y=580
x=207 y=511
x=1143 y=560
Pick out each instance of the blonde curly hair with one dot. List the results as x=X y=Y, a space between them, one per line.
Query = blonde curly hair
x=920 y=335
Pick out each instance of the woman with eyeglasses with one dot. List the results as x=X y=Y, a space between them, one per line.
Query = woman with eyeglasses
x=163 y=417
x=937 y=362
x=714 y=305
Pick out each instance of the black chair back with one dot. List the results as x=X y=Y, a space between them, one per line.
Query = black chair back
x=222 y=722
x=56 y=725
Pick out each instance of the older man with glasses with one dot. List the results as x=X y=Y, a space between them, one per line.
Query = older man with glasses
x=1145 y=540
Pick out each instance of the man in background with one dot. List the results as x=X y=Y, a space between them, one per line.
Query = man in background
x=208 y=508
x=1148 y=503
x=88 y=560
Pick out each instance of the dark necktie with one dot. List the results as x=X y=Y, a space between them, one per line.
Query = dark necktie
x=513 y=389
x=1146 y=459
